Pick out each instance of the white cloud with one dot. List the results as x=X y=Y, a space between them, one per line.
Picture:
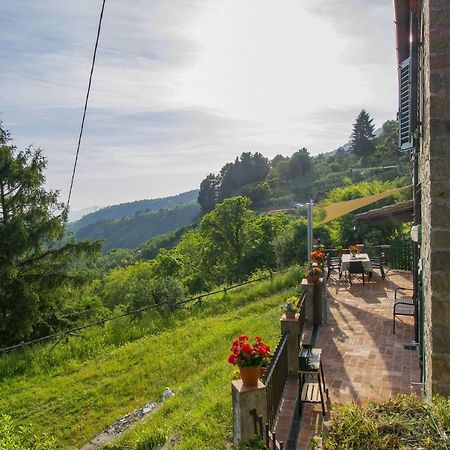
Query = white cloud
x=182 y=87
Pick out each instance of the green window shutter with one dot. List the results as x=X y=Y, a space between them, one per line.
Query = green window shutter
x=405 y=112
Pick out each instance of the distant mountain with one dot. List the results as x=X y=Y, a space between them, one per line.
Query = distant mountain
x=129 y=209
x=77 y=215
x=132 y=231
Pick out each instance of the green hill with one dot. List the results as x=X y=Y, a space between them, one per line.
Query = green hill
x=130 y=209
x=131 y=231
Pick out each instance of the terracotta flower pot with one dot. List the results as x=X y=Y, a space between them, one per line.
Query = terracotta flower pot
x=312 y=278
x=289 y=314
x=249 y=376
x=262 y=372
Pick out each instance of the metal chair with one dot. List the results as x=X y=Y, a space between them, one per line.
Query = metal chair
x=405 y=306
x=355 y=267
x=377 y=263
x=333 y=263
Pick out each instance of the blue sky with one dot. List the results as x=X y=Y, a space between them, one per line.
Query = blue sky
x=183 y=86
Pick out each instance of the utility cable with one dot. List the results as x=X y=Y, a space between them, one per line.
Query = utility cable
x=137 y=311
x=86 y=103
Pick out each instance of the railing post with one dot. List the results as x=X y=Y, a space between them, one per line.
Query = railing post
x=308 y=302
x=291 y=327
x=245 y=400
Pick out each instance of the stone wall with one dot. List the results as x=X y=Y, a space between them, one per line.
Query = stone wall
x=434 y=175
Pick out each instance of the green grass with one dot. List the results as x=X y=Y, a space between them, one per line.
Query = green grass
x=73 y=393
x=404 y=422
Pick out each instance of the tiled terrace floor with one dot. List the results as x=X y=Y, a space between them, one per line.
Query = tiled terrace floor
x=362 y=359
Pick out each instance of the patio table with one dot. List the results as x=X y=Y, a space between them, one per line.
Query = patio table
x=363 y=257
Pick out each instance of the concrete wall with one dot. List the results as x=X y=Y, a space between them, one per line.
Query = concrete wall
x=434 y=175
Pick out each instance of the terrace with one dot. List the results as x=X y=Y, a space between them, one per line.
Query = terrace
x=362 y=359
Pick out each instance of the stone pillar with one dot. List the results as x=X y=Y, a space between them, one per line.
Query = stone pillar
x=308 y=305
x=245 y=400
x=291 y=326
x=318 y=302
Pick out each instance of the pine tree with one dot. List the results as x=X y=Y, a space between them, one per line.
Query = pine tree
x=207 y=195
x=34 y=261
x=361 y=138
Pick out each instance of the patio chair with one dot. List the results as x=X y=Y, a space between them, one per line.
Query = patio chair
x=403 y=306
x=377 y=263
x=355 y=267
x=333 y=263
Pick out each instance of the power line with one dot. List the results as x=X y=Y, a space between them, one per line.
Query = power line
x=86 y=103
x=137 y=311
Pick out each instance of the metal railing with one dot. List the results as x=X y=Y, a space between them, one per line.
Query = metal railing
x=399 y=255
x=267 y=436
x=301 y=316
x=275 y=378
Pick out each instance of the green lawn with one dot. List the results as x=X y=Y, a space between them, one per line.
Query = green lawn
x=79 y=397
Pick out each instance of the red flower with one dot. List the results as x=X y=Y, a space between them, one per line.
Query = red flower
x=242 y=338
x=262 y=350
x=247 y=348
x=258 y=339
x=232 y=359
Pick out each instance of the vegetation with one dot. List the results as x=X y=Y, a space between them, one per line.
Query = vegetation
x=111 y=213
x=34 y=264
x=361 y=139
x=19 y=437
x=402 y=422
x=132 y=231
x=111 y=370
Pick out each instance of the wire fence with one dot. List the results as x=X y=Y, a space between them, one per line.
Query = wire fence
x=198 y=299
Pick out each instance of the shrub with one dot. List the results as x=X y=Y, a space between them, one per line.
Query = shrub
x=401 y=423
x=22 y=437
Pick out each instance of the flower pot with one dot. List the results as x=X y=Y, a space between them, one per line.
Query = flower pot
x=262 y=372
x=249 y=376
x=312 y=278
x=289 y=314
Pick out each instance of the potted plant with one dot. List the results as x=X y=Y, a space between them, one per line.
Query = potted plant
x=249 y=357
x=314 y=274
x=289 y=307
x=339 y=250
x=318 y=256
x=354 y=249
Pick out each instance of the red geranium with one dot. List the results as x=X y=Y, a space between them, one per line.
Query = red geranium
x=246 y=354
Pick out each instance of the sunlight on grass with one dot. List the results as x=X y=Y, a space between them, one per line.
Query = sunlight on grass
x=80 y=396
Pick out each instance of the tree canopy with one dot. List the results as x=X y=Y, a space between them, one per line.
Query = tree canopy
x=34 y=263
x=361 y=138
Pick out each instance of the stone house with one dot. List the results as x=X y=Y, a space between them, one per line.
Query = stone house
x=423 y=49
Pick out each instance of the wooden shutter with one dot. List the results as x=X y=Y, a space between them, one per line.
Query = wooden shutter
x=404 y=113
x=407 y=78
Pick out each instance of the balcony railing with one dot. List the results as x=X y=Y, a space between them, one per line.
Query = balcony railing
x=275 y=378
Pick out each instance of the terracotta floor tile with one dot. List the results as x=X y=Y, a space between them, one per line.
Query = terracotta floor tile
x=363 y=361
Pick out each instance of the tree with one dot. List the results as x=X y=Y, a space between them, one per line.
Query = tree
x=225 y=228
x=34 y=263
x=207 y=195
x=361 y=138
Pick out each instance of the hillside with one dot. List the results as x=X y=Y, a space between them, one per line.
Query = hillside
x=74 y=390
x=131 y=208
x=131 y=231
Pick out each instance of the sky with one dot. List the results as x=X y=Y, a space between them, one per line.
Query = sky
x=182 y=87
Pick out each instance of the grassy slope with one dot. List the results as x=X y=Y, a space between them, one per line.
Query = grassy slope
x=78 y=398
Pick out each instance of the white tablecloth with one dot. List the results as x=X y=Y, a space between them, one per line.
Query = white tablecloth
x=363 y=257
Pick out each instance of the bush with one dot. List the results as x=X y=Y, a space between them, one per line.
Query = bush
x=22 y=437
x=404 y=422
